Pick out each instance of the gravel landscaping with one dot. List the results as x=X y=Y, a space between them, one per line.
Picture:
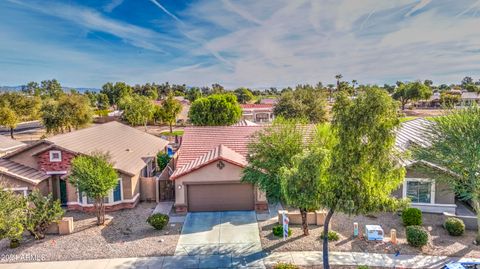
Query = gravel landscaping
x=128 y=235
x=440 y=243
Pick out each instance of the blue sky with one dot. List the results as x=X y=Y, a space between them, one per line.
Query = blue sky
x=253 y=43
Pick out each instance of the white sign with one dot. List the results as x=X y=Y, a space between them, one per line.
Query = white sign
x=285 y=226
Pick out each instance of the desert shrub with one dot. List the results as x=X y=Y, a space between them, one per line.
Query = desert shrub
x=417 y=236
x=283 y=265
x=454 y=226
x=278 y=230
x=363 y=267
x=42 y=211
x=332 y=236
x=158 y=220
x=12 y=215
x=412 y=216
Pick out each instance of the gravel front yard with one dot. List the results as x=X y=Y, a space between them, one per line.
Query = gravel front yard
x=440 y=242
x=129 y=235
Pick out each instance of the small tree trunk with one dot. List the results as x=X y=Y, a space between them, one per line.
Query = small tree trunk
x=146 y=125
x=171 y=127
x=11 y=133
x=326 y=264
x=98 y=211
x=303 y=213
x=476 y=206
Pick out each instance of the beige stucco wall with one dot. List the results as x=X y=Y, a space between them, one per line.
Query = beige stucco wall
x=128 y=184
x=444 y=194
x=26 y=157
x=12 y=182
x=211 y=173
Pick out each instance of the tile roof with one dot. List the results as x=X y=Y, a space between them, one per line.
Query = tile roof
x=412 y=132
x=8 y=144
x=256 y=106
x=21 y=172
x=128 y=147
x=202 y=144
x=220 y=152
x=245 y=123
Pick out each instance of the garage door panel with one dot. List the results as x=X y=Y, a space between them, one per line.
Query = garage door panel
x=220 y=197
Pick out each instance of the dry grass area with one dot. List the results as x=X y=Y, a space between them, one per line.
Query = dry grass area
x=128 y=235
x=424 y=112
x=440 y=242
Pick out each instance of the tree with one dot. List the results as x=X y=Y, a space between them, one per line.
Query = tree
x=217 y=89
x=42 y=211
x=450 y=99
x=12 y=216
x=338 y=77
x=428 y=83
x=9 y=118
x=305 y=102
x=95 y=176
x=193 y=94
x=51 y=89
x=169 y=110
x=244 y=95
x=364 y=169
x=302 y=183
x=74 y=111
x=31 y=89
x=102 y=101
x=271 y=149
x=137 y=110
x=216 y=109
x=411 y=91
x=454 y=146
x=389 y=88
x=116 y=92
x=51 y=118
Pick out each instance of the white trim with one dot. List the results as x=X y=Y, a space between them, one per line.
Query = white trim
x=55 y=160
x=24 y=189
x=432 y=189
x=110 y=197
x=436 y=208
x=135 y=198
x=56 y=172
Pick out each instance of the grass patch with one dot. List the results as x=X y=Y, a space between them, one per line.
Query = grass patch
x=174 y=133
x=404 y=119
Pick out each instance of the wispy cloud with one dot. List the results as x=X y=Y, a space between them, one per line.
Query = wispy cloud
x=112 y=5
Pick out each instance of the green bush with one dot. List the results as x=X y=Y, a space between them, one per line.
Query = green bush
x=42 y=212
x=363 y=267
x=278 y=231
x=158 y=220
x=282 y=265
x=332 y=236
x=412 y=216
x=454 y=226
x=162 y=160
x=417 y=236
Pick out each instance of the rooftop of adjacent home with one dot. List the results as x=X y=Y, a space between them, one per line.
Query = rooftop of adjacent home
x=8 y=144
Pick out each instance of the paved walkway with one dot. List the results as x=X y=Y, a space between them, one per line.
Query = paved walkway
x=257 y=260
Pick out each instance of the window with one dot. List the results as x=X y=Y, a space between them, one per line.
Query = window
x=420 y=191
x=24 y=191
x=115 y=195
x=55 y=156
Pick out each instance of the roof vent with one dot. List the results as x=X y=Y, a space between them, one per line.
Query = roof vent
x=129 y=150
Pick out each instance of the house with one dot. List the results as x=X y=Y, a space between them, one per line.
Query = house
x=46 y=164
x=257 y=112
x=421 y=182
x=8 y=145
x=272 y=101
x=208 y=168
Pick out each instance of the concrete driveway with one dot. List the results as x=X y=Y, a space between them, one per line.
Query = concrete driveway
x=228 y=232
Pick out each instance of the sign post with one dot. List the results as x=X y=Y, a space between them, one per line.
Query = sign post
x=285 y=221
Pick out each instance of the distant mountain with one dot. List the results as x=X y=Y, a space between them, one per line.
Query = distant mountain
x=66 y=89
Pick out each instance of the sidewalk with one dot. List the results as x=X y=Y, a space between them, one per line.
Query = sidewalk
x=257 y=260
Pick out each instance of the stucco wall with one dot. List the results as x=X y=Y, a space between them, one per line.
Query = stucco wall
x=211 y=173
x=11 y=182
x=26 y=157
x=129 y=186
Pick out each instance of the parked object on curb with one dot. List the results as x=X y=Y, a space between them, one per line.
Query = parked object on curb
x=462 y=265
x=374 y=232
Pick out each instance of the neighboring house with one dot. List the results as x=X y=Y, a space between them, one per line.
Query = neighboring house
x=132 y=153
x=470 y=98
x=208 y=169
x=466 y=99
x=257 y=112
x=271 y=101
x=8 y=145
x=421 y=183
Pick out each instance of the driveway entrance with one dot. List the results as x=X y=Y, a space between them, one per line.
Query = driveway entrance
x=224 y=232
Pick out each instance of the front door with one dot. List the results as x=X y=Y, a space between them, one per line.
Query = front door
x=63 y=192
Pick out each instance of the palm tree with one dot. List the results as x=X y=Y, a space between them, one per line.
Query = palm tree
x=338 y=78
x=354 y=82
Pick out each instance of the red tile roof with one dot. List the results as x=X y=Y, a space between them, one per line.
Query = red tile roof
x=203 y=145
x=256 y=106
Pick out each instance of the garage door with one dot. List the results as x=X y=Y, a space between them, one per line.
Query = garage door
x=220 y=197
